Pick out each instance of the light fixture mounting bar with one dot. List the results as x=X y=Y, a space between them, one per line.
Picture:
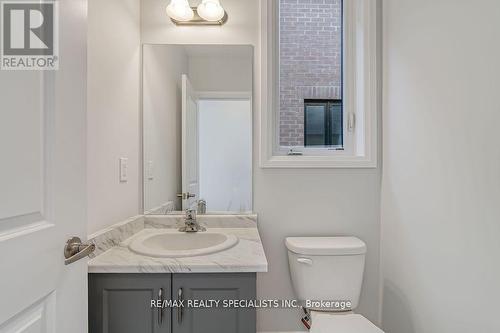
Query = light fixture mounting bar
x=197 y=20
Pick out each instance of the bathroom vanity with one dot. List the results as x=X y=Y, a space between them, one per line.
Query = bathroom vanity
x=123 y=282
x=122 y=303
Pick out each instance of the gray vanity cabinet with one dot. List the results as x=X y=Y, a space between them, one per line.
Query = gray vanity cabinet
x=240 y=286
x=121 y=303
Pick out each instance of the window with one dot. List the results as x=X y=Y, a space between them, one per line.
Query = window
x=319 y=83
x=310 y=65
x=323 y=124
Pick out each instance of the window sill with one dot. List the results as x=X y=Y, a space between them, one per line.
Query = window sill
x=318 y=162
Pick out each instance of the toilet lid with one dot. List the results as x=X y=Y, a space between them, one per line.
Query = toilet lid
x=339 y=323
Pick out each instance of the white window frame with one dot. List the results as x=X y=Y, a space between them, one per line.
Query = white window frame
x=360 y=99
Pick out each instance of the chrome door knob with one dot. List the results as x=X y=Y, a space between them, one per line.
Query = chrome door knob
x=74 y=250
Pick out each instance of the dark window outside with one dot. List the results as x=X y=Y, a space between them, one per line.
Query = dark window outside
x=323 y=123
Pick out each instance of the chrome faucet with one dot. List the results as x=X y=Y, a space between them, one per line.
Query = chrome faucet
x=190 y=223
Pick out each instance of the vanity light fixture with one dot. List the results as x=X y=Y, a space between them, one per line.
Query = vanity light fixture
x=208 y=12
x=180 y=10
x=211 y=10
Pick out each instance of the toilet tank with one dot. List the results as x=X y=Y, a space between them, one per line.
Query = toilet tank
x=327 y=269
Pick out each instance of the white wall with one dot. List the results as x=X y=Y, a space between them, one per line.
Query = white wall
x=225 y=148
x=441 y=179
x=113 y=110
x=163 y=67
x=289 y=202
x=221 y=73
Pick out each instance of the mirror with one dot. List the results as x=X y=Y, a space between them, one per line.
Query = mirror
x=197 y=128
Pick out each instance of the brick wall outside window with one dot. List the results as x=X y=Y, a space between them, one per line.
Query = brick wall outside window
x=310 y=60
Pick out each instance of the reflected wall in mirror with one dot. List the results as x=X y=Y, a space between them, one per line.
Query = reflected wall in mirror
x=197 y=128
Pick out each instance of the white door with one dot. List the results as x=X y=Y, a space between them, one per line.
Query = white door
x=43 y=187
x=190 y=174
x=225 y=184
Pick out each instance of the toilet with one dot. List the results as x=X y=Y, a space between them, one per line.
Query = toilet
x=329 y=269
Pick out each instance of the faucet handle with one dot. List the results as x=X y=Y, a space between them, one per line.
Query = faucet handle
x=190 y=214
x=201 y=207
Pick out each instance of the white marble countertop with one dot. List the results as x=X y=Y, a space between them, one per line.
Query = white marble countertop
x=246 y=256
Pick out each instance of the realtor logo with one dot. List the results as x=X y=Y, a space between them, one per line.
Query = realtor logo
x=29 y=39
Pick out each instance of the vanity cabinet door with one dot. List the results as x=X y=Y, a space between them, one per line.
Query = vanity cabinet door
x=121 y=303
x=214 y=287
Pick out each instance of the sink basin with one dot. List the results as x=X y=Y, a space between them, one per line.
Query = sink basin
x=175 y=244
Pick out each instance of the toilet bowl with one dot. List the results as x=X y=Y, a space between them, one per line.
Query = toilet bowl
x=327 y=274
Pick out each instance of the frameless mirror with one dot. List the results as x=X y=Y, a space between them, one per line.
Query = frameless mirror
x=197 y=128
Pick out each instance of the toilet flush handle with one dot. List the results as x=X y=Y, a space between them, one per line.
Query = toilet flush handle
x=305 y=261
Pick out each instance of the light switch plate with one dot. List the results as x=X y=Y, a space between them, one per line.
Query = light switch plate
x=123 y=169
